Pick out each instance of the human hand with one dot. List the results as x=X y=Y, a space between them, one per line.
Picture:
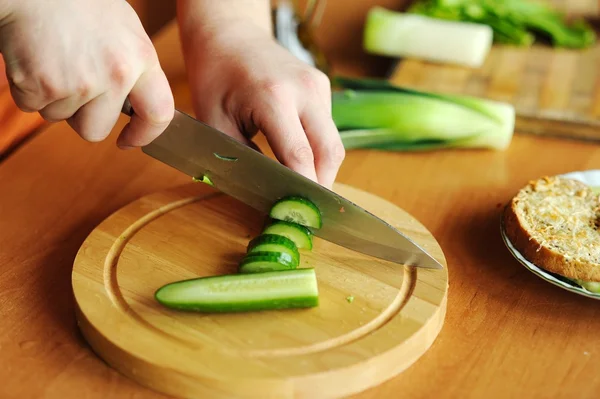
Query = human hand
x=242 y=81
x=79 y=60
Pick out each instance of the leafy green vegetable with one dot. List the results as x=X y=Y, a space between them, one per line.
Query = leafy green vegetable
x=516 y=22
x=590 y=286
x=375 y=114
x=408 y=35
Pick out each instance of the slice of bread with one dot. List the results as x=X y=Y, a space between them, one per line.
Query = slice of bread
x=553 y=222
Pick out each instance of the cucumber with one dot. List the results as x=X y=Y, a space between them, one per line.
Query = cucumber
x=301 y=236
x=274 y=243
x=243 y=292
x=590 y=286
x=297 y=210
x=257 y=262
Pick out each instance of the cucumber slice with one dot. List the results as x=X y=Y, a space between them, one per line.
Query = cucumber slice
x=295 y=232
x=274 y=243
x=243 y=292
x=258 y=262
x=297 y=210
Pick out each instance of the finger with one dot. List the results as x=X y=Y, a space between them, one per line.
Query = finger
x=324 y=90
x=227 y=126
x=214 y=117
x=96 y=119
x=223 y=123
x=285 y=135
x=153 y=106
x=65 y=108
x=34 y=92
x=27 y=96
x=325 y=141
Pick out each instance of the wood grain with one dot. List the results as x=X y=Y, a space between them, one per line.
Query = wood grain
x=507 y=333
x=556 y=92
x=335 y=349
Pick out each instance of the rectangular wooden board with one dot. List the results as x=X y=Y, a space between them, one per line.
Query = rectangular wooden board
x=556 y=92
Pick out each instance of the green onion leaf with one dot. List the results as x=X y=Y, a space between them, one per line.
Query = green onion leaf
x=379 y=115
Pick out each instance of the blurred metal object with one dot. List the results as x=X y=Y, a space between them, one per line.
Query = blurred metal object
x=294 y=30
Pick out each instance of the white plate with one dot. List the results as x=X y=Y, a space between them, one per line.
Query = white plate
x=591 y=178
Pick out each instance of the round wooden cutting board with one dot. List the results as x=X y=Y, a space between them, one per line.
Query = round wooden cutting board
x=341 y=347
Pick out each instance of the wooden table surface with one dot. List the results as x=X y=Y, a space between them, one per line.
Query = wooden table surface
x=507 y=332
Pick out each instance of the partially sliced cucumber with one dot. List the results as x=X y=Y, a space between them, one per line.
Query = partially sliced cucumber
x=274 y=243
x=243 y=292
x=258 y=262
x=295 y=232
x=297 y=210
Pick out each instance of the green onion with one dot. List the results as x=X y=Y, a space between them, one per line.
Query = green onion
x=396 y=34
x=375 y=114
x=516 y=22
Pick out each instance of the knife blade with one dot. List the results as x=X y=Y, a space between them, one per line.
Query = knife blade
x=196 y=149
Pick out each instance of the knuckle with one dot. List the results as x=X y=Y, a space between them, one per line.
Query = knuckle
x=301 y=154
x=50 y=87
x=336 y=152
x=83 y=89
x=279 y=91
x=314 y=80
x=120 y=71
x=146 y=50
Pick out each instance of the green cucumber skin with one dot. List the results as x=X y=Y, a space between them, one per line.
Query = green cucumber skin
x=283 y=302
x=274 y=304
x=274 y=243
x=263 y=266
x=275 y=248
x=301 y=235
x=272 y=239
x=267 y=261
x=279 y=212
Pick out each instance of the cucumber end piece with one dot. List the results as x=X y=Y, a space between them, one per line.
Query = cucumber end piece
x=242 y=293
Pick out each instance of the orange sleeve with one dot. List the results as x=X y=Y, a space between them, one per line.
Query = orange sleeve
x=15 y=125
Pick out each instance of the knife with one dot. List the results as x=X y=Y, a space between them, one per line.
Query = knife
x=245 y=174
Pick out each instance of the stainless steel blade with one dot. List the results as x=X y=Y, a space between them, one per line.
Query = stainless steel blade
x=237 y=170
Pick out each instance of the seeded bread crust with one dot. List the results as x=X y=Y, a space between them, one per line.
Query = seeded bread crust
x=553 y=223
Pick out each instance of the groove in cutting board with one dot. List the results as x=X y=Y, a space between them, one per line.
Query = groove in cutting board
x=336 y=349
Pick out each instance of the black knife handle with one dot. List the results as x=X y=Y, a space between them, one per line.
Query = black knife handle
x=127 y=108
